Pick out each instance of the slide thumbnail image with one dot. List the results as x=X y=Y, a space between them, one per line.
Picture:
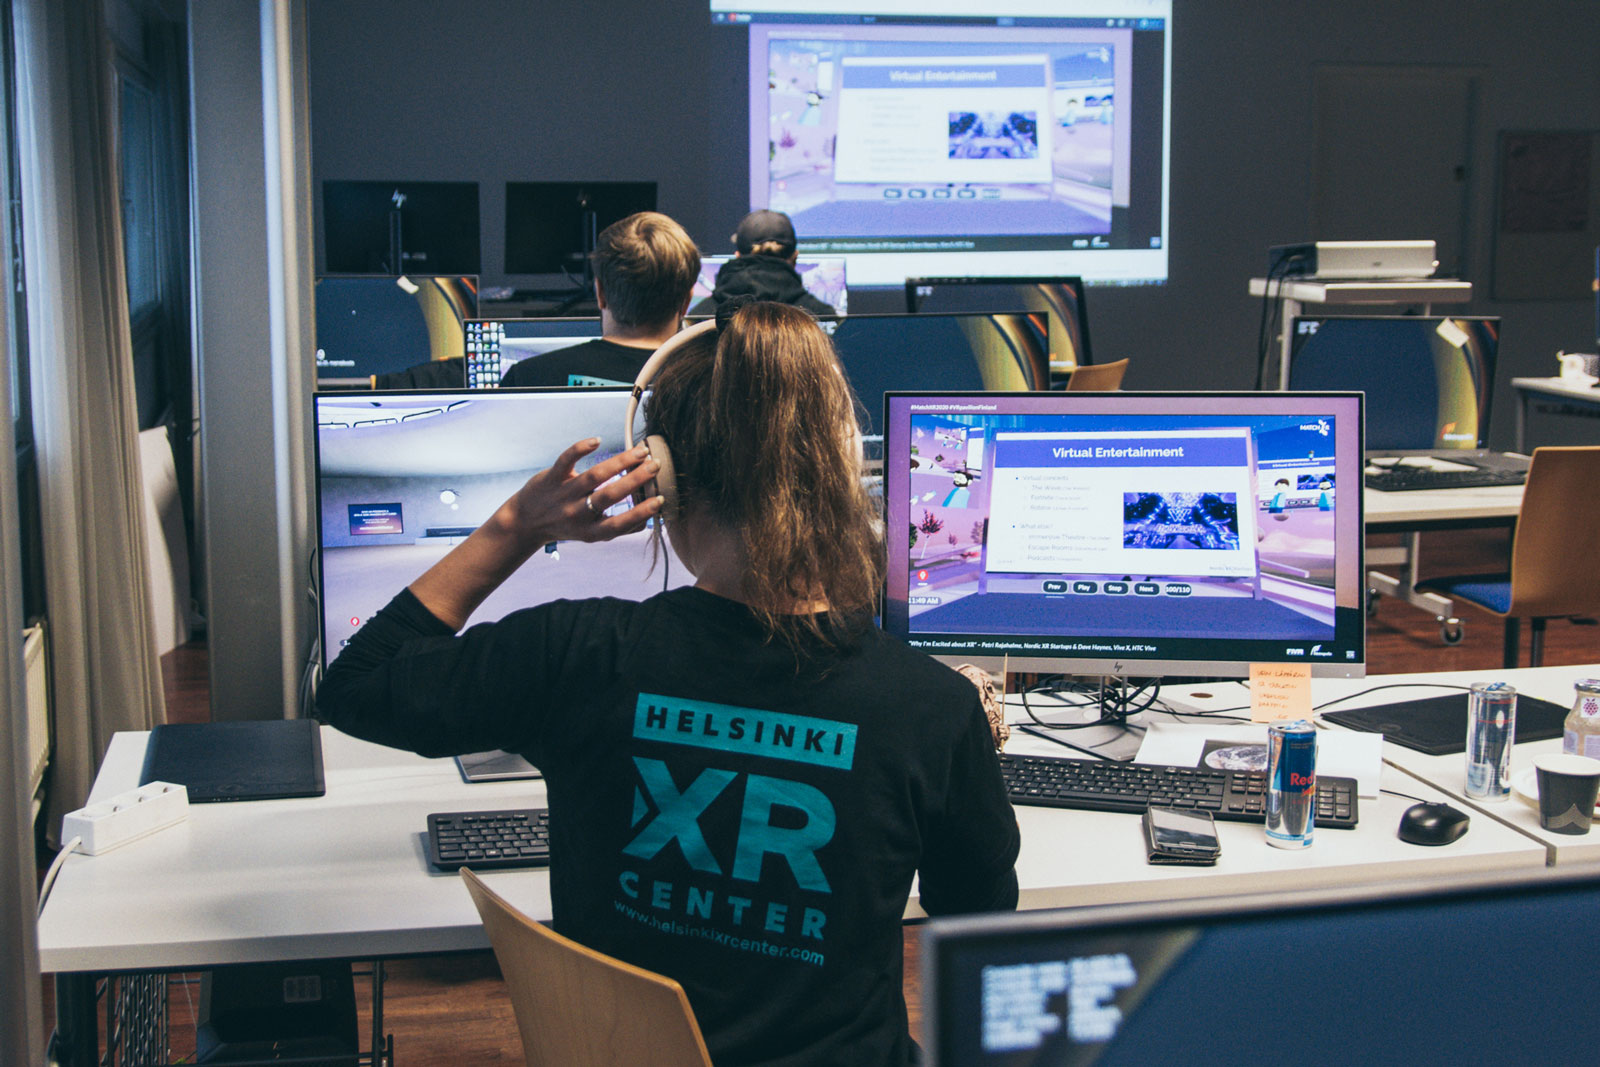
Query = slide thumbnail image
x=1180 y=520
x=992 y=135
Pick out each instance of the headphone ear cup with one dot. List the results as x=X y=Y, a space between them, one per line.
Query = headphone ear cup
x=666 y=481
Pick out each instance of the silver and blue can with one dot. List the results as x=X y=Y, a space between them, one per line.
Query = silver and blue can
x=1491 y=730
x=1291 y=783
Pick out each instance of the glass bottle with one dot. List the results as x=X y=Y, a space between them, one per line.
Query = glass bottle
x=1580 y=734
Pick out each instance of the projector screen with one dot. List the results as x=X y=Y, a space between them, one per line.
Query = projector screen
x=937 y=137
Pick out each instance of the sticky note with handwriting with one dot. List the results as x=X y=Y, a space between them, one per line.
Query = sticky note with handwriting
x=1280 y=691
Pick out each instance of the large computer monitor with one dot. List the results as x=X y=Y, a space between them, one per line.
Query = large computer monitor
x=1429 y=380
x=1126 y=533
x=1470 y=970
x=494 y=346
x=400 y=227
x=378 y=324
x=404 y=477
x=955 y=353
x=823 y=277
x=550 y=226
x=1060 y=298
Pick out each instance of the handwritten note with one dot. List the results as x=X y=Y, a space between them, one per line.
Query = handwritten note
x=1280 y=691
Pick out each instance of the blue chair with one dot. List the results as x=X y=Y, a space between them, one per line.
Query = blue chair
x=1555 y=552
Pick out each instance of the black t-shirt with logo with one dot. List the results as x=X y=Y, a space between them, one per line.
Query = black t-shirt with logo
x=720 y=812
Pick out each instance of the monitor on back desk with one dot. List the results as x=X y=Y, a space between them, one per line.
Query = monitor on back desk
x=1484 y=966
x=1429 y=380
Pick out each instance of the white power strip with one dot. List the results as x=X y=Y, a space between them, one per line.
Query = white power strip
x=126 y=817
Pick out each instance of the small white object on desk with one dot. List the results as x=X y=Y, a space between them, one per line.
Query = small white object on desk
x=126 y=817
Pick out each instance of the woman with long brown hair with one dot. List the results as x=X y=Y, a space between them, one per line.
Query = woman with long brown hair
x=743 y=775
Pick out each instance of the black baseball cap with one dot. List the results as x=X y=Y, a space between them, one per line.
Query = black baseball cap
x=758 y=227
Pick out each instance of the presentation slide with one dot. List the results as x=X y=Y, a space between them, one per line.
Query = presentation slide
x=1098 y=503
x=1028 y=140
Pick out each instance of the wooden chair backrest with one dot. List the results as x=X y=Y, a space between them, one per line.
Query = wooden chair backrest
x=1555 y=555
x=579 y=1008
x=1097 y=377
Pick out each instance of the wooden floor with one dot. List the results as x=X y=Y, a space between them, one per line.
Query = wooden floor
x=448 y=1011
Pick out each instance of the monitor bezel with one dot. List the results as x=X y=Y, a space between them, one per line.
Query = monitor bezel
x=1132 y=666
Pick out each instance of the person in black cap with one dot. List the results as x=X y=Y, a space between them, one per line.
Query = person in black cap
x=764 y=267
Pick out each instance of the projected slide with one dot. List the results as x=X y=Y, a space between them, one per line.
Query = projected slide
x=1026 y=145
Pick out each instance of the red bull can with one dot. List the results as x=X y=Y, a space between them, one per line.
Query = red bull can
x=1291 y=783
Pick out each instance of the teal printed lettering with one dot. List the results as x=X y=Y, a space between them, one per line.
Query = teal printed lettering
x=746 y=731
x=757 y=835
x=678 y=814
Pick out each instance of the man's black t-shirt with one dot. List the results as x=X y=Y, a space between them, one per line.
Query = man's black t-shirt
x=597 y=362
x=719 y=813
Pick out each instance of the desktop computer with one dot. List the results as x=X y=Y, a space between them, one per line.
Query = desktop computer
x=1126 y=533
x=404 y=477
x=1061 y=299
x=1481 y=968
x=369 y=325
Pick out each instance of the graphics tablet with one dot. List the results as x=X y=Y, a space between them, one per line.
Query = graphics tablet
x=255 y=760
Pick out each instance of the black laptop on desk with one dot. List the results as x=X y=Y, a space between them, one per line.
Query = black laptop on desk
x=255 y=760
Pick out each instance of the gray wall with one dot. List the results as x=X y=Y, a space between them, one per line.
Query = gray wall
x=497 y=90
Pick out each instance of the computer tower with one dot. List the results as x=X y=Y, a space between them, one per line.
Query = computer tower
x=279 y=1014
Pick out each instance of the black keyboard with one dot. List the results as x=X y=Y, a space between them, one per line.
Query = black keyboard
x=1406 y=479
x=1102 y=785
x=489 y=840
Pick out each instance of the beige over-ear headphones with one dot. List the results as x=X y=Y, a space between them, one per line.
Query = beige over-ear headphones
x=666 y=482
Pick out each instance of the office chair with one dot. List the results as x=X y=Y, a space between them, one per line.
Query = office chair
x=1097 y=377
x=579 y=1008
x=1554 y=552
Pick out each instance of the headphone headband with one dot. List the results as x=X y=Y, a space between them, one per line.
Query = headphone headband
x=652 y=365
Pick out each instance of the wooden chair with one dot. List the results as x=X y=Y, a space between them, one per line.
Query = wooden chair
x=577 y=1007
x=1555 y=552
x=1097 y=377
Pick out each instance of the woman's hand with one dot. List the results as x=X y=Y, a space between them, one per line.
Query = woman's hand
x=559 y=505
x=554 y=505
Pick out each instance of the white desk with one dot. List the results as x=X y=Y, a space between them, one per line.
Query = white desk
x=345 y=875
x=1558 y=397
x=1447 y=773
x=1072 y=858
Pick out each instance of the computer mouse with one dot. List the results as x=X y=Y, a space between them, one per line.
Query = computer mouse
x=1433 y=824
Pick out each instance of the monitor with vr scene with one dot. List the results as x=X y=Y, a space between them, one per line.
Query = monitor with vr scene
x=1126 y=533
x=404 y=477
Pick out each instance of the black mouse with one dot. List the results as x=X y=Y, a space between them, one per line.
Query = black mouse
x=1433 y=824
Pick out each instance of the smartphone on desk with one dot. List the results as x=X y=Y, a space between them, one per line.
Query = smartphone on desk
x=1180 y=835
